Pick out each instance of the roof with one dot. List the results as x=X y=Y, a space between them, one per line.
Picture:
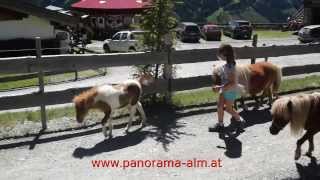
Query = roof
x=240 y=21
x=189 y=24
x=312 y=26
x=27 y=8
x=111 y=4
x=135 y=31
x=210 y=25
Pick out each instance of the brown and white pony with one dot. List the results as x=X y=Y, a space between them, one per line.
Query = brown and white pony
x=107 y=98
x=254 y=79
x=302 y=112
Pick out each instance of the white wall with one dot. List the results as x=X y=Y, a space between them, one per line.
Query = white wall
x=26 y=28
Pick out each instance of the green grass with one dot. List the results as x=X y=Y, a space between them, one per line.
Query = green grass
x=291 y=84
x=264 y=34
x=11 y=118
x=184 y=98
x=47 y=79
x=201 y=96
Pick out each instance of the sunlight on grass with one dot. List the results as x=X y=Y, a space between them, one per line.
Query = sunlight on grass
x=273 y=34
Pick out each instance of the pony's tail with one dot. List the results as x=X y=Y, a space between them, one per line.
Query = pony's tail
x=277 y=82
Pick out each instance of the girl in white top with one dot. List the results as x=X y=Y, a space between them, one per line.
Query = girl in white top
x=227 y=89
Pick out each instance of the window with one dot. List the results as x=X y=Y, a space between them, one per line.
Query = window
x=124 y=36
x=315 y=32
x=244 y=23
x=192 y=29
x=116 y=37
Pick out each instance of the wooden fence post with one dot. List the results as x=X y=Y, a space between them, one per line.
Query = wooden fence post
x=254 y=44
x=266 y=58
x=168 y=76
x=41 y=82
x=168 y=40
x=76 y=76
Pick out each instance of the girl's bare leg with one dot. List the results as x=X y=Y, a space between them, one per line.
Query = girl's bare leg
x=221 y=103
x=231 y=110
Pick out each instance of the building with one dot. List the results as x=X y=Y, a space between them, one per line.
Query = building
x=105 y=17
x=21 y=22
x=311 y=12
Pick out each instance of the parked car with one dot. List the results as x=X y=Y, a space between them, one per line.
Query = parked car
x=211 y=32
x=238 y=29
x=309 y=34
x=188 y=31
x=125 y=41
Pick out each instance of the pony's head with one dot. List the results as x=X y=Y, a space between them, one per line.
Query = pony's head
x=216 y=75
x=293 y=109
x=281 y=114
x=83 y=103
x=145 y=79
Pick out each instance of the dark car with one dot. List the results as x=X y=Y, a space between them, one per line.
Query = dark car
x=309 y=34
x=211 y=32
x=238 y=29
x=188 y=31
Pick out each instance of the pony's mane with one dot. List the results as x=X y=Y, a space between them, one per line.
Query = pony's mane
x=243 y=73
x=217 y=70
x=85 y=97
x=300 y=111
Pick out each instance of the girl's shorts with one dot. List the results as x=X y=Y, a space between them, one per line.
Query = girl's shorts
x=230 y=95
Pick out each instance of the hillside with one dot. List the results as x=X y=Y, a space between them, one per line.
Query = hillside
x=219 y=11
x=222 y=10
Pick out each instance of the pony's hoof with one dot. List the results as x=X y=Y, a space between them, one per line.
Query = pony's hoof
x=309 y=154
x=297 y=154
x=108 y=136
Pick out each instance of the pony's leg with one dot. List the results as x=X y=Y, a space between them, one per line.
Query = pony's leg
x=142 y=113
x=299 y=143
x=257 y=100
x=104 y=121
x=110 y=127
x=270 y=96
x=243 y=105
x=311 y=145
x=132 y=111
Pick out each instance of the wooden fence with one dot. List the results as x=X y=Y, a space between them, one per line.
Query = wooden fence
x=40 y=64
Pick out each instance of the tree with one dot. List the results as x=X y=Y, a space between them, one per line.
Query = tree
x=159 y=21
x=220 y=16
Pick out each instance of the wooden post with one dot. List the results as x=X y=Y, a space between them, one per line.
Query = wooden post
x=168 y=40
x=266 y=58
x=41 y=82
x=76 y=75
x=168 y=76
x=254 y=44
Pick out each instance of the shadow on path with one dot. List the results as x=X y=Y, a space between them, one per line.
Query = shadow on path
x=112 y=144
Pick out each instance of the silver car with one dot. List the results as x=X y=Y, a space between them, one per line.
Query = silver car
x=309 y=34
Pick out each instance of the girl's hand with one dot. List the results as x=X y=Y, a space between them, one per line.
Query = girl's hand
x=216 y=88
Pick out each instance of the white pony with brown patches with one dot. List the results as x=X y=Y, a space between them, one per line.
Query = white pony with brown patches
x=108 y=98
x=302 y=112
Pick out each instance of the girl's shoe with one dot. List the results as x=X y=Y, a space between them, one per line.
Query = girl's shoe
x=218 y=127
